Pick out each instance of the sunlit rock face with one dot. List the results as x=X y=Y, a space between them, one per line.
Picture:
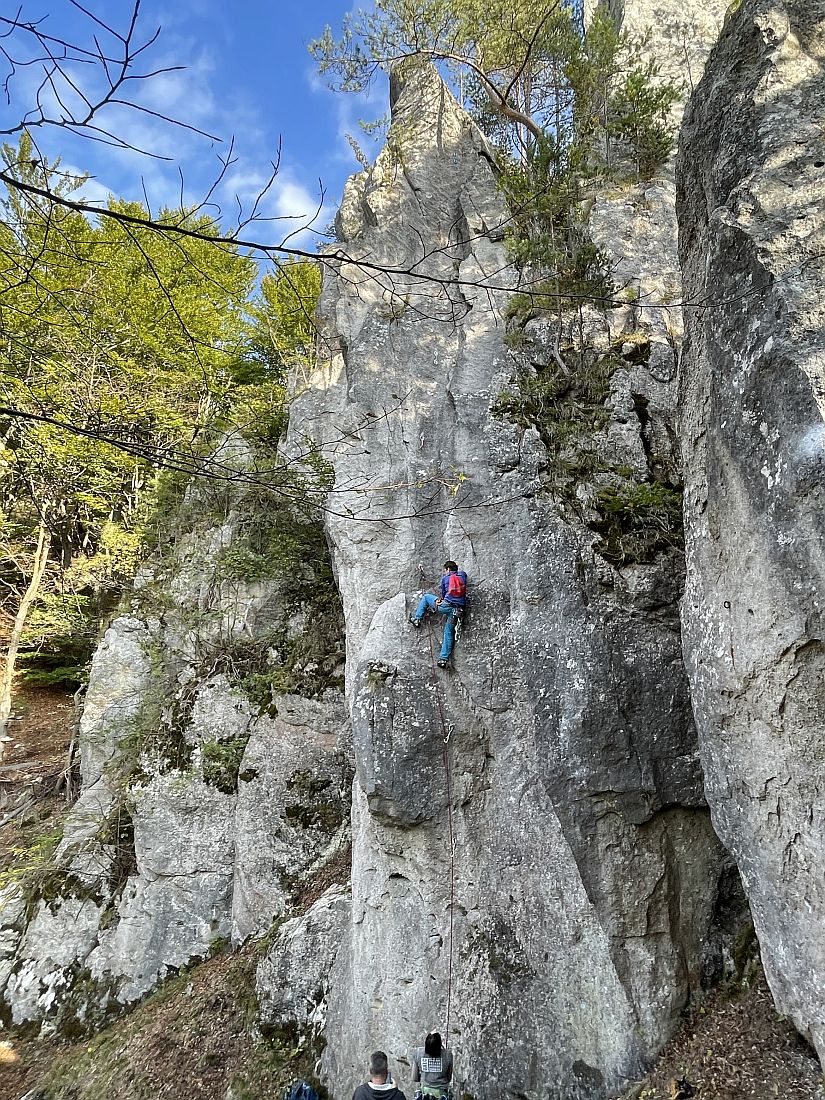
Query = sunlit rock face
x=752 y=239
x=201 y=816
x=530 y=823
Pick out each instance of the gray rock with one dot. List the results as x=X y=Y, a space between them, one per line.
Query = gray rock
x=219 y=713
x=178 y=901
x=54 y=941
x=752 y=236
x=118 y=681
x=533 y=820
x=292 y=981
x=177 y=841
x=293 y=810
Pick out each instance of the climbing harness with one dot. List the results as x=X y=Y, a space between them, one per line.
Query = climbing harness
x=433 y=1092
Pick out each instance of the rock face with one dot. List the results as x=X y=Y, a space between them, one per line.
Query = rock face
x=293 y=980
x=752 y=229
x=534 y=869
x=203 y=811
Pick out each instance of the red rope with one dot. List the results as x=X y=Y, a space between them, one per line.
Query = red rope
x=446 y=758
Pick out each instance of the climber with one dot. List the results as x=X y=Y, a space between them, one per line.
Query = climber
x=451 y=603
x=432 y=1068
x=380 y=1085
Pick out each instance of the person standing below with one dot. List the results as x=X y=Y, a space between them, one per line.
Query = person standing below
x=451 y=602
x=432 y=1068
x=380 y=1085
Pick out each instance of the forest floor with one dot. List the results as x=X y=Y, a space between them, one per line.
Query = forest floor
x=196 y=1036
x=32 y=771
x=733 y=1045
x=193 y=1038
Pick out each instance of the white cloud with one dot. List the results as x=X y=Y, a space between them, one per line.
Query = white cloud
x=348 y=109
x=197 y=96
x=316 y=82
x=293 y=201
x=183 y=94
x=92 y=190
x=289 y=212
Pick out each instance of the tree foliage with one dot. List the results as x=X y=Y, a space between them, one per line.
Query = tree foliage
x=562 y=101
x=132 y=339
x=283 y=326
x=533 y=74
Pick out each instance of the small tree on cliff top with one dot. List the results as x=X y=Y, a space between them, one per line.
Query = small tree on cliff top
x=533 y=75
x=556 y=97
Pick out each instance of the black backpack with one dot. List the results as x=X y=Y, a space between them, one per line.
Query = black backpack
x=300 y=1090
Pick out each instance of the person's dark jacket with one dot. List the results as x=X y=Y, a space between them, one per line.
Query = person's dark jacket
x=389 y=1091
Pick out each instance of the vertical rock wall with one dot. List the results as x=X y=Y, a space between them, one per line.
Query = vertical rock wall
x=752 y=239
x=202 y=812
x=554 y=858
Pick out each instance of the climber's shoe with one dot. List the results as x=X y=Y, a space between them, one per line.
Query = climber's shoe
x=443 y=664
x=415 y=622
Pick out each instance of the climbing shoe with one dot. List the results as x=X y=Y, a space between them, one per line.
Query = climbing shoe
x=443 y=664
x=415 y=622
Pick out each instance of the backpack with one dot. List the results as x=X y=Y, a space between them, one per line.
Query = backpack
x=300 y=1090
x=456 y=586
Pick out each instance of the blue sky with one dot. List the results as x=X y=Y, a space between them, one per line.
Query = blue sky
x=248 y=75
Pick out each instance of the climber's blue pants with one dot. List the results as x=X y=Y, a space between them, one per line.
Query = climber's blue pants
x=427 y=603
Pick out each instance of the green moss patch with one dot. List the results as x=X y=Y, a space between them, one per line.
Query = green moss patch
x=636 y=521
x=316 y=806
x=222 y=763
x=563 y=406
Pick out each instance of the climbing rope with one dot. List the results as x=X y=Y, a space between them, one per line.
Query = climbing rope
x=446 y=733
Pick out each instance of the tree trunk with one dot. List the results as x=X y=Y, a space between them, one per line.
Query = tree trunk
x=41 y=557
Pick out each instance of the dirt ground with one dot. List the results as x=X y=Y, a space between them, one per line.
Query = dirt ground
x=41 y=729
x=32 y=790
x=733 y=1045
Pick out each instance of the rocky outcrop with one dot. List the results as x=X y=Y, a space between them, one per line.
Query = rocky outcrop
x=534 y=869
x=212 y=795
x=752 y=228
x=293 y=981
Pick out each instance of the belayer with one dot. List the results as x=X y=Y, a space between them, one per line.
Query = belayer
x=451 y=603
x=432 y=1069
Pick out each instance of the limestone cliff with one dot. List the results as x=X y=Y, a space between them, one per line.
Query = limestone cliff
x=752 y=228
x=532 y=856
x=534 y=868
x=205 y=803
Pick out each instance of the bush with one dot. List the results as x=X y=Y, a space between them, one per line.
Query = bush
x=638 y=521
x=222 y=762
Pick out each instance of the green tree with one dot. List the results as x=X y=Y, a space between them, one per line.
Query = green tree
x=536 y=79
x=501 y=47
x=281 y=340
x=130 y=338
x=564 y=103
x=282 y=318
